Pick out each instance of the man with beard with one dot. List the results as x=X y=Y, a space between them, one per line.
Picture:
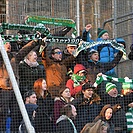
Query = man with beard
x=56 y=69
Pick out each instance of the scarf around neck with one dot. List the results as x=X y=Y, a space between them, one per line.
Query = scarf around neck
x=31 y=64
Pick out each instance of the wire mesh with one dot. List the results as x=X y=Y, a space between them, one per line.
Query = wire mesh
x=57 y=85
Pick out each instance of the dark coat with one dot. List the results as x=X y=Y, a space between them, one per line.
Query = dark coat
x=64 y=126
x=130 y=55
x=65 y=55
x=86 y=111
x=59 y=102
x=28 y=75
x=5 y=98
x=44 y=115
x=14 y=59
x=95 y=68
x=119 y=118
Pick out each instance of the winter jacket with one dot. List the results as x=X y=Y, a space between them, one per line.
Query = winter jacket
x=55 y=72
x=28 y=75
x=130 y=55
x=5 y=103
x=70 y=82
x=44 y=115
x=59 y=102
x=86 y=36
x=87 y=110
x=30 y=109
x=65 y=55
x=106 y=54
x=73 y=90
x=119 y=116
x=95 y=68
x=14 y=60
x=97 y=126
x=65 y=125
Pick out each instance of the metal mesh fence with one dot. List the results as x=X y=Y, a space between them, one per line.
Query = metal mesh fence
x=46 y=81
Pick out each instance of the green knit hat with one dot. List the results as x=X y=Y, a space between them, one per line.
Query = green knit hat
x=110 y=86
x=100 y=32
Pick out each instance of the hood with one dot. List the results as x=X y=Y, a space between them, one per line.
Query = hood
x=78 y=67
x=62 y=117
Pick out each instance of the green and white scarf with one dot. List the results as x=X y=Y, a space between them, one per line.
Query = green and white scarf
x=77 y=79
x=53 y=21
x=113 y=43
x=102 y=78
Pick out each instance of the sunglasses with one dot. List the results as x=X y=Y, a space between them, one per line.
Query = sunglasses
x=58 y=52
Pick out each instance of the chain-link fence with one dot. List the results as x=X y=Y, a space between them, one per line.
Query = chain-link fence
x=116 y=16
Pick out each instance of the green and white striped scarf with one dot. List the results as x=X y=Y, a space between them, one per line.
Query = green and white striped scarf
x=129 y=117
x=113 y=43
x=77 y=79
x=53 y=21
x=102 y=78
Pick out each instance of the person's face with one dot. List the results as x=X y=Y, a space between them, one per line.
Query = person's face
x=113 y=92
x=32 y=99
x=105 y=36
x=7 y=47
x=57 y=54
x=95 y=57
x=108 y=113
x=70 y=49
x=66 y=93
x=44 y=85
x=88 y=93
x=74 y=111
x=33 y=57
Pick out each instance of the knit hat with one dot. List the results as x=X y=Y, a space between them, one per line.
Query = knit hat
x=100 y=32
x=79 y=67
x=4 y=42
x=110 y=86
x=91 y=52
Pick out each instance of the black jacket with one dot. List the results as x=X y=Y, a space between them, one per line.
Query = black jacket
x=43 y=122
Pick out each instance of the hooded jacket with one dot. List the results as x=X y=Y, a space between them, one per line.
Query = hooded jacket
x=101 y=117
x=87 y=110
x=65 y=125
x=119 y=116
x=70 y=82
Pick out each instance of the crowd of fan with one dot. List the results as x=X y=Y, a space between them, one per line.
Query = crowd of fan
x=58 y=91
